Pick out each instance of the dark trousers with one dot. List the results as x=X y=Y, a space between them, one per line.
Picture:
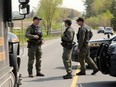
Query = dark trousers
x=34 y=52
x=84 y=55
x=67 y=59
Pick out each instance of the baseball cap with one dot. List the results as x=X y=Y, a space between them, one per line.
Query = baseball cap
x=36 y=18
x=80 y=19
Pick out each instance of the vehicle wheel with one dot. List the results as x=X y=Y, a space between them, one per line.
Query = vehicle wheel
x=103 y=66
x=12 y=80
x=113 y=65
x=13 y=63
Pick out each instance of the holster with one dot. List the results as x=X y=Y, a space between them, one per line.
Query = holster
x=68 y=45
x=28 y=44
x=34 y=43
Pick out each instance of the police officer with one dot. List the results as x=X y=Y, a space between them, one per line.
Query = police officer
x=84 y=50
x=67 y=43
x=35 y=41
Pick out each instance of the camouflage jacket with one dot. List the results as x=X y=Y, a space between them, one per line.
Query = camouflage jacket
x=68 y=35
x=81 y=37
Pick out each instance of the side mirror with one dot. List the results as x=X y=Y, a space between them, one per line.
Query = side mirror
x=24 y=9
x=24 y=1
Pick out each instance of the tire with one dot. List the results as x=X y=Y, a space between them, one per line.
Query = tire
x=12 y=80
x=13 y=63
x=113 y=65
x=103 y=60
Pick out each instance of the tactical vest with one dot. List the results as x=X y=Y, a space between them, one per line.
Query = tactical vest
x=35 y=32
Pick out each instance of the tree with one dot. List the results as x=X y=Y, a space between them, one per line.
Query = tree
x=113 y=11
x=102 y=10
x=88 y=5
x=92 y=21
x=100 y=6
x=96 y=7
x=105 y=18
x=100 y=20
x=48 y=8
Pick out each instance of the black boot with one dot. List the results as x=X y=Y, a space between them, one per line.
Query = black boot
x=31 y=75
x=94 y=72
x=67 y=76
x=39 y=74
x=81 y=73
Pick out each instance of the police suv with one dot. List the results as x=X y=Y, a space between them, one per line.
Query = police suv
x=103 y=52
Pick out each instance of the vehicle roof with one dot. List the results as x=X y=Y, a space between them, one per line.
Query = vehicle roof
x=108 y=28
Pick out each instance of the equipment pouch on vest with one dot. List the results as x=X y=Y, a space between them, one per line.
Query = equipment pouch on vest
x=68 y=45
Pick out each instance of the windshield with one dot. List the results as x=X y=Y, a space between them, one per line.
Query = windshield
x=108 y=28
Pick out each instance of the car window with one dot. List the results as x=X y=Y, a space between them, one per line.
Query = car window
x=108 y=28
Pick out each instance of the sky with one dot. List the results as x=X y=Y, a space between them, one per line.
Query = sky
x=73 y=4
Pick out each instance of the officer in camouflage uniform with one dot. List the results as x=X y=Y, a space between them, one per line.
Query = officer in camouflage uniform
x=34 y=47
x=84 y=50
x=67 y=43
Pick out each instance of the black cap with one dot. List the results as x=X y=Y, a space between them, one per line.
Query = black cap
x=80 y=19
x=36 y=18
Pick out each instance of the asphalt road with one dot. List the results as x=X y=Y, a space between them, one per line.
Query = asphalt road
x=53 y=68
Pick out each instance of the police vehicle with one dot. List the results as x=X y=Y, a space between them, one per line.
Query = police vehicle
x=106 y=58
x=103 y=52
x=94 y=45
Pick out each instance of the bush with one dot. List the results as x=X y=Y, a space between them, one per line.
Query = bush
x=113 y=21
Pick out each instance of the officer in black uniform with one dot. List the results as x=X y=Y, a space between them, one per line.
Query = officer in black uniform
x=35 y=41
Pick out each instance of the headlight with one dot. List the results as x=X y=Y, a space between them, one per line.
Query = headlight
x=10 y=48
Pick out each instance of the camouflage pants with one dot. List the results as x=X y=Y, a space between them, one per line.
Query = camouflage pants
x=34 y=52
x=83 y=56
x=67 y=60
